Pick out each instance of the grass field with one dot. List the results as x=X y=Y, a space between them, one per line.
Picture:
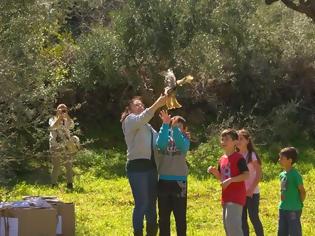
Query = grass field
x=104 y=202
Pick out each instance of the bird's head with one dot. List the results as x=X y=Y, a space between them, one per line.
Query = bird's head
x=169 y=78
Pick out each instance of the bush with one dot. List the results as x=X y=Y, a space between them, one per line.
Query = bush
x=205 y=155
x=26 y=98
x=105 y=164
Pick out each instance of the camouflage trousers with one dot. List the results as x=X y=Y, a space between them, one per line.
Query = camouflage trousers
x=59 y=159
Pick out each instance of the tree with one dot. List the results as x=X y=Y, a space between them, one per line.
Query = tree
x=27 y=96
x=306 y=7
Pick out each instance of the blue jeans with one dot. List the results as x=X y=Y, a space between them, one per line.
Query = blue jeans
x=252 y=208
x=144 y=191
x=289 y=223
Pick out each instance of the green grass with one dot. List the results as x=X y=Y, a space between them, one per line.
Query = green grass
x=104 y=206
x=103 y=200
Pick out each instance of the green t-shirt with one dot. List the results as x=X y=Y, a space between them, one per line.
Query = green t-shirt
x=290 y=195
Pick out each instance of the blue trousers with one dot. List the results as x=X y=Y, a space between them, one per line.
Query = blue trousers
x=144 y=191
x=289 y=223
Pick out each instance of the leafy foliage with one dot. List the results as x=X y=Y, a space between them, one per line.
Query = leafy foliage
x=253 y=66
x=99 y=58
x=304 y=7
x=25 y=99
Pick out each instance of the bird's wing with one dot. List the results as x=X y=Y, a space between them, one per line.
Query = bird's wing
x=185 y=80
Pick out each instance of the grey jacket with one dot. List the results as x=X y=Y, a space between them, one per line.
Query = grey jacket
x=137 y=134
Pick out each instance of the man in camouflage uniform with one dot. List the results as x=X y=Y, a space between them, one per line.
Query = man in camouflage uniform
x=61 y=144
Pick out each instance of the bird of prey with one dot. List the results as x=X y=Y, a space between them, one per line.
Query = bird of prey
x=170 y=88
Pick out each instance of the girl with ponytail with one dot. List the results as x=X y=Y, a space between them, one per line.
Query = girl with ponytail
x=247 y=149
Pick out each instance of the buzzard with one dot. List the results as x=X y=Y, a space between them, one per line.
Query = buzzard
x=170 y=88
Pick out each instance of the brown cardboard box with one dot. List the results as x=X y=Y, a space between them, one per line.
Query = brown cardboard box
x=66 y=218
x=28 y=222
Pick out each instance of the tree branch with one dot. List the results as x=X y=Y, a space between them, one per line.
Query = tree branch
x=306 y=7
x=292 y=5
x=268 y=2
x=303 y=7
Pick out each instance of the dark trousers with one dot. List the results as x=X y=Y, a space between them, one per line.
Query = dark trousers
x=289 y=223
x=172 y=197
x=144 y=191
x=252 y=208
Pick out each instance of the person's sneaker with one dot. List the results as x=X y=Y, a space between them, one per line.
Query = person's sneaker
x=69 y=185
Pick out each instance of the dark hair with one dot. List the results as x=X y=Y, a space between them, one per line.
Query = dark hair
x=290 y=153
x=250 y=146
x=230 y=132
x=126 y=112
x=182 y=120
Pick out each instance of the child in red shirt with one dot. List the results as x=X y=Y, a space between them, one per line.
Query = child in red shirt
x=232 y=171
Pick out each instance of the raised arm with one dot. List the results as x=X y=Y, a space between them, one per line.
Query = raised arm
x=69 y=121
x=158 y=103
x=55 y=123
x=135 y=121
x=162 y=139
x=181 y=141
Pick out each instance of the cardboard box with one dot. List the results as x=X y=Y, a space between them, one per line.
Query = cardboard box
x=28 y=222
x=65 y=218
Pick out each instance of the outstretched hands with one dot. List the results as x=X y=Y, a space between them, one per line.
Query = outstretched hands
x=165 y=117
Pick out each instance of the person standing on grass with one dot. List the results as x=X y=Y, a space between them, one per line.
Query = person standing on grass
x=172 y=146
x=140 y=167
x=246 y=148
x=232 y=171
x=292 y=194
x=59 y=137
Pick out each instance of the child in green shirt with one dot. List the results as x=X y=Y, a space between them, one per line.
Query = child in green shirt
x=292 y=194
